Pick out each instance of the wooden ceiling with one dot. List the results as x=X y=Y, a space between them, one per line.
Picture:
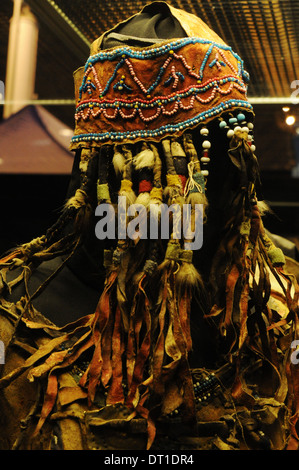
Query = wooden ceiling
x=264 y=33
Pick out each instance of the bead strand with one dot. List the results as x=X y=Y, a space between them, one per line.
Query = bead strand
x=96 y=79
x=243 y=123
x=207 y=100
x=151 y=118
x=134 y=76
x=188 y=67
x=128 y=116
x=205 y=61
x=250 y=136
x=190 y=105
x=236 y=72
x=156 y=51
x=206 y=145
x=193 y=91
x=167 y=128
x=173 y=111
x=110 y=116
x=204 y=388
x=95 y=114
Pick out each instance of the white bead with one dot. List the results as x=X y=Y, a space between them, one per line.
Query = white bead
x=245 y=129
x=205 y=159
x=250 y=138
x=206 y=144
x=205 y=172
x=237 y=129
x=204 y=131
x=250 y=125
x=230 y=133
x=253 y=148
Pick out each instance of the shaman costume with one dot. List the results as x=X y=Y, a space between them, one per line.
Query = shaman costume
x=145 y=343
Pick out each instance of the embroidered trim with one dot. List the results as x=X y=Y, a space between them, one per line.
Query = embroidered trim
x=167 y=129
x=158 y=103
x=115 y=90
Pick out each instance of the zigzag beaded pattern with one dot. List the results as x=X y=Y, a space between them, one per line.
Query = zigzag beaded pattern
x=157 y=91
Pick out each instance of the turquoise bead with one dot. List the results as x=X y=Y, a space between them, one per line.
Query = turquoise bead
x=241 y=117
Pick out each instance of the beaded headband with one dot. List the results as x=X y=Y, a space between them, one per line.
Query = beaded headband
x=127 y=94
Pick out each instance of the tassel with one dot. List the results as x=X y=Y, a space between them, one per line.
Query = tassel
x=101 y=327
x=121 y=255
x=170 y=352
x=80 y=201
x=147 y=166
x=144 y=162
x=118 y=162
x=188 y=279
x=173 y=190
x=195 y=187
x=179 y=161
x=156 y=194
x=77 y=212
x=139 y=345
x=111 y=320
x=171 y=328
x=126 y=188
x=117 y=325
x=274 y=253
x=173 y=195
x=104 y=159
x=78 y=207
x=103 y=197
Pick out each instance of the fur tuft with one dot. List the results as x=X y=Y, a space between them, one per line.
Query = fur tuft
x=188 y=279
x=172 y=194
x=264 y=208
x=143 y=199
x=144 y=159
x=118 y=163
x=130 y=197
x=198 y=198
x=155 y=208
x=80 y=205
